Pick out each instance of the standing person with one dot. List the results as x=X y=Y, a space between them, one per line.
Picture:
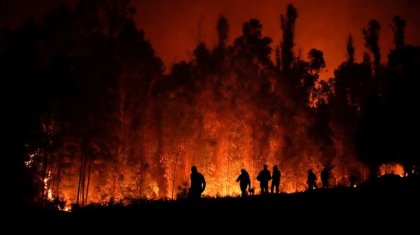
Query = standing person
x=244 y=182
x=275 y=182
x=325 y=178
x=198 y=184
x=311 y=180
x=264 y=176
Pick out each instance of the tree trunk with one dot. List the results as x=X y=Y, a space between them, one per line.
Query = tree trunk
x=174 y=175
x=88 y=182
x=80 y=180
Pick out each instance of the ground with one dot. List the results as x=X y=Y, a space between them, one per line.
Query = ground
x=387 y=203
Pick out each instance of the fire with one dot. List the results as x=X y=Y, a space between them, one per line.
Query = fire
x=219 y=138
x=133 y=132
x=392 y=168
x=47 y=186
x=30 y=161
x=219 y=183
x=67 y=208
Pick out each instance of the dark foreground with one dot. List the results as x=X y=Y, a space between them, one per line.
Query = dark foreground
x=388 y=203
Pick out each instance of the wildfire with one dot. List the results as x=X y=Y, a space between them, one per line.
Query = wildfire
x=47 y=187
x=135 y=132
x=392 y=168
x=220 y=183
x=31 y=159
x=66 y=208
x=226 y=145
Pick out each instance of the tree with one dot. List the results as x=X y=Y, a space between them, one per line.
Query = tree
x=350 y=49
x=398 y=27
x=251 y=51
x=316 y=60
x=86 y=68
x=222 y=31
x=371 y=36
x=288 y=28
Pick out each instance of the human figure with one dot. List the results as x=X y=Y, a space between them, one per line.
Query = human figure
x=325 y=178
x=275 y=183
x=264 y=176
x=244 y=182
x=311 y=180
x=198 y=184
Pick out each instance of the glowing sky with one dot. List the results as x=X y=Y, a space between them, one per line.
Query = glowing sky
x=174 y=27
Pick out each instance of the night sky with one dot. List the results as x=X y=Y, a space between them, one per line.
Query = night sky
x=174 y=27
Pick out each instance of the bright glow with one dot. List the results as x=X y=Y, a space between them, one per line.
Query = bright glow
x=67 y=208
x=391 y=168
x=31 y=160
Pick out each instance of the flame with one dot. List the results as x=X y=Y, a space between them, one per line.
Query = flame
x=392 y=168
x=219 y=123
x=220 y=146
x=220 y=182
x=47 y=187
x=66 y=208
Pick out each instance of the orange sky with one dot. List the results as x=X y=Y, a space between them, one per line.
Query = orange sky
x=173 y=26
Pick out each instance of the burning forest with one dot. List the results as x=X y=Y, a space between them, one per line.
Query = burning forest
x=92 y=116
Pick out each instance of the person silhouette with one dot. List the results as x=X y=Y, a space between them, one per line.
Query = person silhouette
x=198 y=184
x=325 y=177
x=275 y=182
x=264 y=176
x=244 y=182
x=311 y=180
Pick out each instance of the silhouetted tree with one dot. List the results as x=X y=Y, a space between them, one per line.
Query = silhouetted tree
x=73 y=59
x=351 y=85
x=222 y=31
x=398 y=27
x=203 y=59
x=371 y=36
x=220 y=52
x=350 y=49
x=251 y=50
x=288 y=27
x=402 y=96
x=316 y=60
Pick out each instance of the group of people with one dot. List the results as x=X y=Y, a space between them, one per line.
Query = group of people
x=325 y=179
x=263 y=177
x=198 y=183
